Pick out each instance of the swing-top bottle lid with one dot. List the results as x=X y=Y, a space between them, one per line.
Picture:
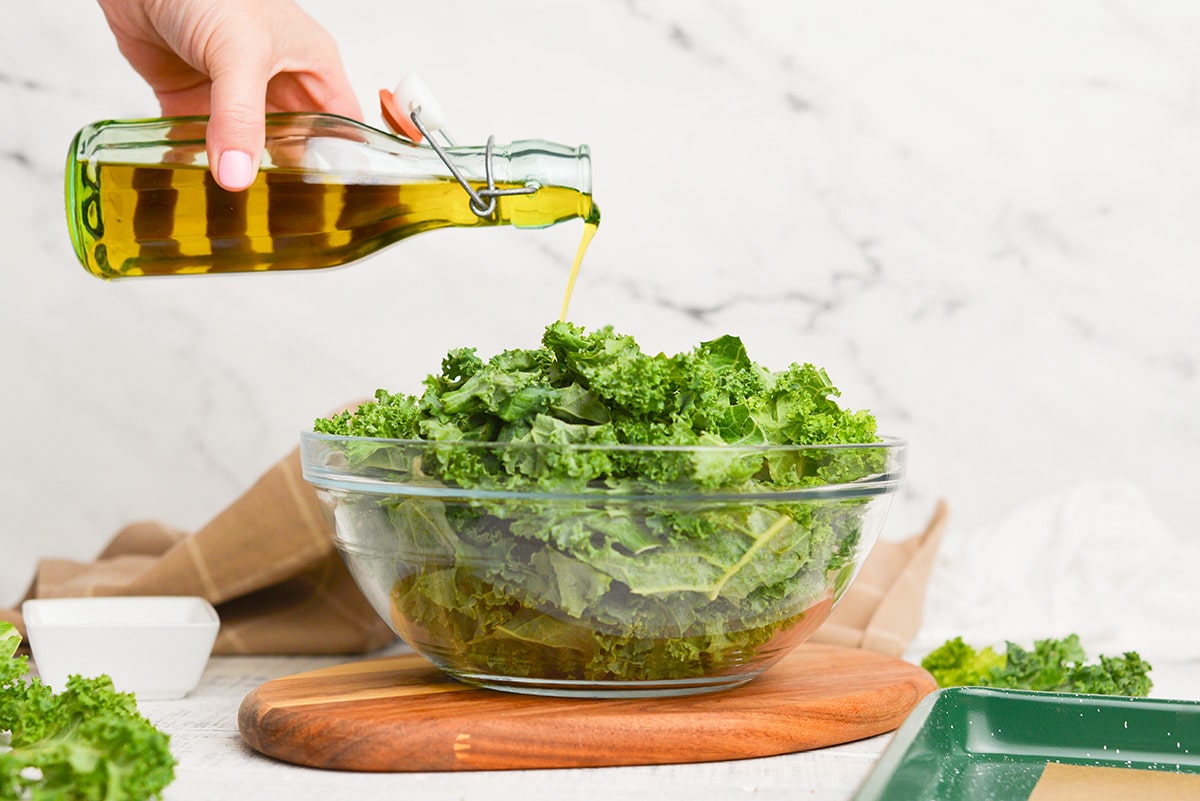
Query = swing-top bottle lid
x=412 y=97
x=412 y=111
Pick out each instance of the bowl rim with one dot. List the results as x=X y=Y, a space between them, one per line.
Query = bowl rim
x=339 y=480
x=885 y=441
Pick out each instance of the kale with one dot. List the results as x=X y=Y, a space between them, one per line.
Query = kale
x=1053 y=665
x=609 y=563
x=86 y=743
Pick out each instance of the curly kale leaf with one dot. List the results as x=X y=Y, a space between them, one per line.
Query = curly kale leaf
x=1053 y=665
x=624 y=590
x=87 y=743
x=956 y=664
x=601 y=388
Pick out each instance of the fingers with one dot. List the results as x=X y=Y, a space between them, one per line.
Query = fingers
x=237 y=124
x=338 y=97
x=259 y=56
x=314 y=66
x=307 y=76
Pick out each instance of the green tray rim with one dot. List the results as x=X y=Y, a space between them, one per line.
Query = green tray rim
x=907 y=755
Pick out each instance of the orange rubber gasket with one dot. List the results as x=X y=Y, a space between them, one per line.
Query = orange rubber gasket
x=393 y=116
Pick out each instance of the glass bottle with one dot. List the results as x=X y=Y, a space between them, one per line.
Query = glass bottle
x=330 y=190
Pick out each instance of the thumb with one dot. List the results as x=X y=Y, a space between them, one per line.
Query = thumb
x=237 y=125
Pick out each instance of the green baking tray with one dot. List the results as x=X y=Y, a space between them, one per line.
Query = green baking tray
x=984 y=743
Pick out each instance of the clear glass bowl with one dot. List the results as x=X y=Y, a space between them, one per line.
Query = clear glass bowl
x=595 y=587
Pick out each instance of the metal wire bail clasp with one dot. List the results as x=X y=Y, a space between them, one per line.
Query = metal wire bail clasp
x=481 y=207
x=413 y=97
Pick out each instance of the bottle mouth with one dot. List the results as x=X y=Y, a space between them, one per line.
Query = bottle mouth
x=544 y=163
x=584 y=174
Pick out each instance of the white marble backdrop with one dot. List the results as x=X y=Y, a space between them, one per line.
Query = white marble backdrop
x=983 y=218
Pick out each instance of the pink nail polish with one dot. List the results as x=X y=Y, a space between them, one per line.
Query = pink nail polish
x=235 y=170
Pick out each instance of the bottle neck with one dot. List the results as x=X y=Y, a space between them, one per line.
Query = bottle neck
x=528 y=161
x=491 y=176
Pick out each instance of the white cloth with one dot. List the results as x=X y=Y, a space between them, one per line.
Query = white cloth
x=1094 y=560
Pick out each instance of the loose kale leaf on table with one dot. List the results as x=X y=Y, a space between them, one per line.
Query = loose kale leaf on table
x=1053 y=665
x=86 y=742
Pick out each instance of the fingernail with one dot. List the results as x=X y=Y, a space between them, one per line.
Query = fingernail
x=235 y=169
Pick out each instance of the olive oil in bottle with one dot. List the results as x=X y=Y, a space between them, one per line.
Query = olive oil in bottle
x=141 y=199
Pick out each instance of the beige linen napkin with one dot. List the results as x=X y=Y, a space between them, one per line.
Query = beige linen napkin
x=882 y=609
x=268 y=564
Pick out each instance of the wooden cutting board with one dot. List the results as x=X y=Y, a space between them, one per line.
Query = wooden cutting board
x=400 y=713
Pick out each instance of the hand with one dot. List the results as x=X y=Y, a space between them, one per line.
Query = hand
x=234 y=60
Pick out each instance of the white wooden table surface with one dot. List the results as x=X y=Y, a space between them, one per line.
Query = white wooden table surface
x=214 y=762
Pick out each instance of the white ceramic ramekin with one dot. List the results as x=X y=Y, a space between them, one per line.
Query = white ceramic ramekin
x=153 y=646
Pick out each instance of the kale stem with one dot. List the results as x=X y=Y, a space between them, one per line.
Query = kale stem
x=766 y=537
